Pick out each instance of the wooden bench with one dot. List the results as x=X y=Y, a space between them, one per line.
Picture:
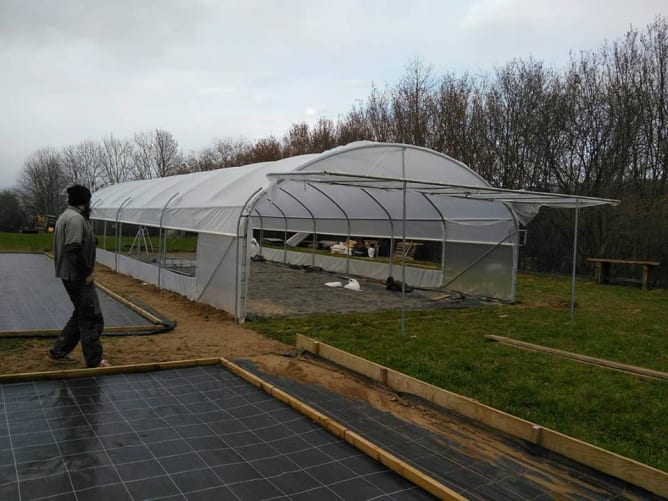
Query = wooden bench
x=603 y=268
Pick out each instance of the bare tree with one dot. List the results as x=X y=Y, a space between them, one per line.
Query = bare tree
x=411 y=104
x=451 y=117
x=297 y=141
x=117 y=160
x=155 y=154
x=167 y=158
x=380 y=121
x=353 y=127
x=222 y=153
x=144 y=154
x=82 y=163
x=323 y=136
x=42 y=183
x=264 y=150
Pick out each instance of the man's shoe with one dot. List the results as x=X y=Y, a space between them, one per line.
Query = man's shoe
x=62 y=360
x=104 y=363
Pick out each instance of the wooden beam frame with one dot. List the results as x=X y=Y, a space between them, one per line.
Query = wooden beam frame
x=600 y=362
x=629 y=470
x=56 y=332
x=103 y=371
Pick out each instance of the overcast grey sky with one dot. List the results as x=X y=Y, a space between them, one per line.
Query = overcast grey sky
x=203 y=69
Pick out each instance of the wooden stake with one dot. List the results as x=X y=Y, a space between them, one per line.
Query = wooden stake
x=608 y=364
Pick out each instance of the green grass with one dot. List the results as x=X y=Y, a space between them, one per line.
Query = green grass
x=615 y=411
x=25 y=241
x=179 y=244
x=40 y=242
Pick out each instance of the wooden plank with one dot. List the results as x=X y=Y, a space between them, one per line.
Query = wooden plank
x=465 y=406
x=34 y=250
x=101 y=371
x=379 y=454
x=56 y=332
x=622 y=261
x=633 y=472
x=608 y=364
x=629 y=470
x=359 y=364
x=141 y=311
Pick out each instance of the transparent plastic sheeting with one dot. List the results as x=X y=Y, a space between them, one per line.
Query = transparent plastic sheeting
x=148 y=272
x=213 y=284
x=484 y=231
x=217 y=271
x=480 y=270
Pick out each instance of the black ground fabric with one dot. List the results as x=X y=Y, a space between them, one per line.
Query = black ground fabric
x=33 y=299
x=472 y=459
x=197 y=433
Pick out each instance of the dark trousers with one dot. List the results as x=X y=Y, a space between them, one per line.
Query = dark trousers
x=86 y=324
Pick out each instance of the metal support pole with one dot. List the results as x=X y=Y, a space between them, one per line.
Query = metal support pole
x=119 y=232
x=310 y=213
x=403 y=240
x=444 y=229
x=575 y=255
x=285 y=232
x=389 y=218
x=162 y=239
x=345 y=214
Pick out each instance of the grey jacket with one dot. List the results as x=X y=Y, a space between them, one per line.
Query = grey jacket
x=73 y=245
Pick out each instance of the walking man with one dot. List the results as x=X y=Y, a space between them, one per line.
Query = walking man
x=74 y=258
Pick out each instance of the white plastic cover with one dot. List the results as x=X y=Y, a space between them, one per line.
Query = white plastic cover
x=371 y=189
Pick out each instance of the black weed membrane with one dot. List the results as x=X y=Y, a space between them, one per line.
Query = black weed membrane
x=35 y=303
x=197 y=433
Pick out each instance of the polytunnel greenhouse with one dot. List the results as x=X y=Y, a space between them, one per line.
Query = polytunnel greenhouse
x=364 y=191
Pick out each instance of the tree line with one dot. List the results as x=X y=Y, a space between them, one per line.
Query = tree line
x=596 y=127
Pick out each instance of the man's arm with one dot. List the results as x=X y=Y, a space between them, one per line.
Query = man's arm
x=74 y=232
x=74 y=253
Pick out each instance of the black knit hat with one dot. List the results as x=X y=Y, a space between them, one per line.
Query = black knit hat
x=78 y=195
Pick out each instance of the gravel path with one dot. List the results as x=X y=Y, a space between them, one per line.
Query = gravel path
x=281 y=290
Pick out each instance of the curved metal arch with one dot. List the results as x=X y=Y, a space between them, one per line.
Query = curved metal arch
x=163 y=239
x=345 y=214
x=285 y=231
x=240 y=278
x=312 y=219
x=443 y=225
x=389 y=217
x=118 y=233
x=261 y=228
